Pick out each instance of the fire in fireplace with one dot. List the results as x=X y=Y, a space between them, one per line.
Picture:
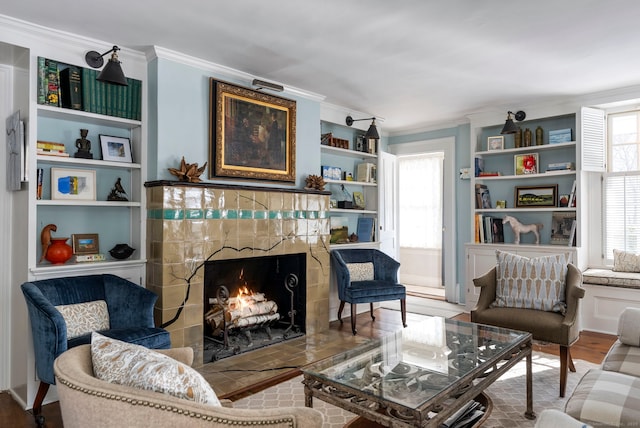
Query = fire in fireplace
x=253 y=302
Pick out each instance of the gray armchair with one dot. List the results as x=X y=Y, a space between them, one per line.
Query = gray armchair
x=130 y=310
x=379 y=284
x=552 y=327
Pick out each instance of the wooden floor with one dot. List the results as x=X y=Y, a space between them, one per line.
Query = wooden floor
x=591 y=347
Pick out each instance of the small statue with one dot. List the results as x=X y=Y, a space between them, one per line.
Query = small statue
x=314 y=182
x=45 y=239
x=83 y=145
x=118 y=192
x=188 y=172
x=519 y=228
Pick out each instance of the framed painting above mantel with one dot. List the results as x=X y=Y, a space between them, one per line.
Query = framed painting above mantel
x=252 y=135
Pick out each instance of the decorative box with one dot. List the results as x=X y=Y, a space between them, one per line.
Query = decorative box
x=331 y=172
x=560 y=136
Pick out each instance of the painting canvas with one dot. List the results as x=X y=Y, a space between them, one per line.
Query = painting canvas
x=252 y=134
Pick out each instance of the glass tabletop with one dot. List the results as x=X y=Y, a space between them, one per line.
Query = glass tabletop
x=412 y=365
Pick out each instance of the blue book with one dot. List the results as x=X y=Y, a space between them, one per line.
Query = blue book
x=366 y=231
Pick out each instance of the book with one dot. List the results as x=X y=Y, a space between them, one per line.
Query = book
x=90 y=258
x=53 y=83
x=572 y=196
x=366 y=229
x=483 y=197
x=572 y=234
x=561 y=166
x=45 y=152
x=71 y=88
x=42 y=80
x=479 y=166
x=39 y=176
x=497 y=230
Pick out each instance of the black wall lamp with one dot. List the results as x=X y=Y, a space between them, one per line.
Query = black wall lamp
x=372 y=132
x=112 y=72
x=509 y=126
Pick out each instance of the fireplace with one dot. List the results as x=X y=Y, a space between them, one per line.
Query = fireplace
x=253 y=302
x=192 y=224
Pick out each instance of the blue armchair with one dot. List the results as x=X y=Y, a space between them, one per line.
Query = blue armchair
x=367 y=276
x=130 y=319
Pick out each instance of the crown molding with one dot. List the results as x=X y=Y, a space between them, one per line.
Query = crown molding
x=154 y=52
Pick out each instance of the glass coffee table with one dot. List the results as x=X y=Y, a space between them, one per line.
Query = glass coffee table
x=420 y=375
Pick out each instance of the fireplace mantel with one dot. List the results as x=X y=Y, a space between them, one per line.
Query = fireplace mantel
x=190 y=223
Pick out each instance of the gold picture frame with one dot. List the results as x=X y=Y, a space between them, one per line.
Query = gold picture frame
x=252 y=135
x=85 y=243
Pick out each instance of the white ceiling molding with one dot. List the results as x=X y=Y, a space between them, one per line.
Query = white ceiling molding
x=159 y=52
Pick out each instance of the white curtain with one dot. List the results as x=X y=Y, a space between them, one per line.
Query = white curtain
x=420 y=198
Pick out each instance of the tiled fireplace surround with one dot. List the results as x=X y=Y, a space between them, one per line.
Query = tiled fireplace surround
x=188 y=224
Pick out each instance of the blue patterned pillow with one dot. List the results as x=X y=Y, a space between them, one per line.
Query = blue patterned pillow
x=531 y=283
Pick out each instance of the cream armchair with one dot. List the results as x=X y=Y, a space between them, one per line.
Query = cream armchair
x=87 y=401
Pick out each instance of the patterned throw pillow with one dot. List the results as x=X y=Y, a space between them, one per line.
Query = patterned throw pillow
x=83 y=318
x=138 y=367
x=625 y=262
x=536 y=283
x=360 y=271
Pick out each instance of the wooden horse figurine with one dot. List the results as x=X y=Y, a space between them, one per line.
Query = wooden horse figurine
x=519 y=228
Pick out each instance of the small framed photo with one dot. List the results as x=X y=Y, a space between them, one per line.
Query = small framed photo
x=536 y=196
x=115 y=149
x=358 y=200
x=501 y=204
x=73 y=184
x=495 y=143
x=525 y=164
x=85 y=243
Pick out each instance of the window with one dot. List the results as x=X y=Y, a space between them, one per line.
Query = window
x=420 y=179
x=622 y=184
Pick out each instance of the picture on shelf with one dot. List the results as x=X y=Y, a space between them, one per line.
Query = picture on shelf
x=525 y=164
x=563 y=228
x=339 y=230
x=483 y=197
x=358 y=200
x=495 y=143
x=536 y=196
x=115 y=149
x=85 y=243
x=78 y=184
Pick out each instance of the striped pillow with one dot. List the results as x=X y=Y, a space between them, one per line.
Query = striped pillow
x=531 y=283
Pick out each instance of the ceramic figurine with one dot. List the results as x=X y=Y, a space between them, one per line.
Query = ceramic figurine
x=519 y=228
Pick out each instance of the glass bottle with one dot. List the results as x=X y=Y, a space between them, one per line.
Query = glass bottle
x=527 y=137
x=539 y=141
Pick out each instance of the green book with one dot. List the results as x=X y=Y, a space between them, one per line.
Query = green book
x=42 y=81
x=71 y=88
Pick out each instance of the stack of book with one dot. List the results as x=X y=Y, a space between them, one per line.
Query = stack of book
x=489 y=230
x=49 y=148
x=560 y=166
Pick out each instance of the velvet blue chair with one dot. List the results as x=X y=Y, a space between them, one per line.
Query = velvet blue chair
x=130 y=312
x=366 y=275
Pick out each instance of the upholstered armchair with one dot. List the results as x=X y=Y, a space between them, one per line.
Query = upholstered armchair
x=112 y=305
x=366 y=276
x=88 y=401
x=548 y=326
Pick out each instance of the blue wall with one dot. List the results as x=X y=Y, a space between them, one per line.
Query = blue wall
x=462 y=135
x=179 y=124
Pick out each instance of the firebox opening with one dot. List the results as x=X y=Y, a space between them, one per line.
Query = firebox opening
x=253 y=302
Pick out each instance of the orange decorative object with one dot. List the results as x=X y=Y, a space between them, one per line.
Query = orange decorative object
x=59 y=251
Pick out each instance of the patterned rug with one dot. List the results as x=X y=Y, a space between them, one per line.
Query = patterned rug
x=507 y=393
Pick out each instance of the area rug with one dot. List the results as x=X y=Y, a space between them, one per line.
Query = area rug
x=507 y=393
x=425 y=306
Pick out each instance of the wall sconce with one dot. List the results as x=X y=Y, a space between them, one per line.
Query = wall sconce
x=112 y=72
x=261 y=84
x=372 y=132
x=509 y=126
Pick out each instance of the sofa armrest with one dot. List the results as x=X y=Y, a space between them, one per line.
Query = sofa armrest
x=48 y=329
x=130 y=305
x=487 y=284
x=574 y=292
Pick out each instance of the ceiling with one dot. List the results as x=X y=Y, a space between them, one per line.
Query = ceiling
x=414 y=63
